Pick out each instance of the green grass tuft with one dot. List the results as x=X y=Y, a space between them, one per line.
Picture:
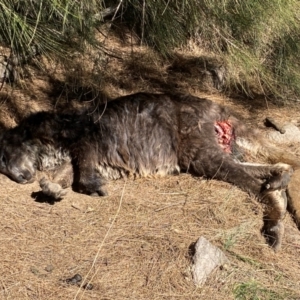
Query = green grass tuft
x=254 y=291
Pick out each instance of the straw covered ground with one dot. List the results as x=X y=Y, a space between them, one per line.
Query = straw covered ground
x=136 y=243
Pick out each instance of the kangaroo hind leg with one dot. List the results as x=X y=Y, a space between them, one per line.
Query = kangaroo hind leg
x=266 y=182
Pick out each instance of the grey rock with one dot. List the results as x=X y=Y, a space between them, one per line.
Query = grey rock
x=207 y=257
x=291 y=135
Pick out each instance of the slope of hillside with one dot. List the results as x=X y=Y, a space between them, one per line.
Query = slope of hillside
x=135 y=243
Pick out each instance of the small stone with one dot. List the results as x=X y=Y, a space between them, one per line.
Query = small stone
x=88 y=286
x=224 y=267
x=34 y=270
x=49 y=268
x=89 y=209
x=75 y=279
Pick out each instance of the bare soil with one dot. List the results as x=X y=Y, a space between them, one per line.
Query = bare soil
x=136 y=243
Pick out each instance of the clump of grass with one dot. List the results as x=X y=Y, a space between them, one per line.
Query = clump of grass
x=257 y=40
x=162 y=24
x=252 y=290
x=52 y=26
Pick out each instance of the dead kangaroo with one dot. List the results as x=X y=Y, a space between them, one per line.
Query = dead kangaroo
x=144 y=135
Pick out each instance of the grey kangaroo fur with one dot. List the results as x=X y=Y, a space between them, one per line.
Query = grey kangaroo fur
x=146 y=135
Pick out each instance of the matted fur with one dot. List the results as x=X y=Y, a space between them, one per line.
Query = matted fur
x=140 y=135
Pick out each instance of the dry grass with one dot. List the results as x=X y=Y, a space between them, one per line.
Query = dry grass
x=135 y=243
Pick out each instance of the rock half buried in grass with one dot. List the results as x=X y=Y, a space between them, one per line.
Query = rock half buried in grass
x=207 y=257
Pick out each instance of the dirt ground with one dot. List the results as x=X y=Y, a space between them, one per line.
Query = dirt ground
x=136 y=242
